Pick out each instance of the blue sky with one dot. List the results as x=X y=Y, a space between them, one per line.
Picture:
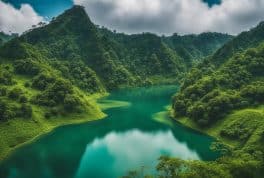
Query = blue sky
x=137 y=16
x=212 y=2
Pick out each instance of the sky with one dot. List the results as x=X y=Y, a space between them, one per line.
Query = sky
x=137 y=16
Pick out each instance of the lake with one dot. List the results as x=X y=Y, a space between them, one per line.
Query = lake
x=130 y=137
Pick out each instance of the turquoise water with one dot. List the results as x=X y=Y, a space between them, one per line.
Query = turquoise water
x=127 y=139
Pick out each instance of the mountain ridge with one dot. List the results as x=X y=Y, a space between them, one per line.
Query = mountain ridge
x=72 y=36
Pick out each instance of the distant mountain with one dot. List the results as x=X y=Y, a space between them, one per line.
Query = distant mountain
x=5 y=37
x=191 y=48
x=246 y=40
x=196 y=47
x=243 y=41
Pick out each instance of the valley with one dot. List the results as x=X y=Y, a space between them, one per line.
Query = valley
x=72 y=91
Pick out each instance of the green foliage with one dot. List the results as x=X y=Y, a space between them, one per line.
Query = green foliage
x=6 y=111
x=5 y=75
x=6 y=37
x=254 y=92
x=43 y=80
x=242 y=126
x=234 y=85
x=71 y=102
x=244 y=41
x=26 y=67
x=177 y=168
x=239 y=131
x=230 y=80
x=15 y=93
x=25 y=111
x=80 y=75
x=3 y=91
x=195 y=47
x=93 y=58
x=54 y=93
x=10 y=110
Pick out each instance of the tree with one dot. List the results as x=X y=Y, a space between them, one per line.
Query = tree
x=71 y=102
x=26 y=111
x=26 y=67
x=15 y=93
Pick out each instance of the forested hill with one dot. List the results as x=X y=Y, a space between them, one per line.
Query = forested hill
x=245 y=40
x=191 y=48
x=5 y=37
x=196 y=47
x=117 y=59
x=224 y=96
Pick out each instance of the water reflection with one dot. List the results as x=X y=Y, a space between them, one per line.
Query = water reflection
x=119 y=152
x=127 y=139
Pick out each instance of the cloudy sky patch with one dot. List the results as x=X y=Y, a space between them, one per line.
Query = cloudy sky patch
x=17 y=20
x=137 y=16
x=169 y=16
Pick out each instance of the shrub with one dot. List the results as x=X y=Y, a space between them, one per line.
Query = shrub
x=27 y=84
x=23 y=99
x=42 y=81
x=26 y=67
x=26 y=111
x=5 y=76
x=6 y=111
x=3 y=91
x=71 y=102
x=15 y=93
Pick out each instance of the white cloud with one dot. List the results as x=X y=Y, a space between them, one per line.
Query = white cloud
x=17 y=20
x=169 y=16
x=130 y=150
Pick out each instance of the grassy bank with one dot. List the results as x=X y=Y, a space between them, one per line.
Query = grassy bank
x=17 y=132
x=107 y=104
x=239 y=128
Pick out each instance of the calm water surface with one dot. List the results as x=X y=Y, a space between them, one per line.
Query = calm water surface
x=127 y=139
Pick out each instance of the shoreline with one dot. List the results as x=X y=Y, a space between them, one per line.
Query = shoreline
x=166 y=117
x=83 y=118
x=44 y=133
x=210 y=131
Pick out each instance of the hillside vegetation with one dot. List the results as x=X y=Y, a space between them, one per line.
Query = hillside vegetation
x=5 y=37
x=224 y=96
x=52 y=74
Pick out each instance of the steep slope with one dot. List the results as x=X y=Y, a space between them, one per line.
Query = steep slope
x=237 y=83
x=248 y=39
x=224 y=96
x=146 y=55
x=196 y=47
x=72 y=36
x=189 y=48
x=243 y=41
